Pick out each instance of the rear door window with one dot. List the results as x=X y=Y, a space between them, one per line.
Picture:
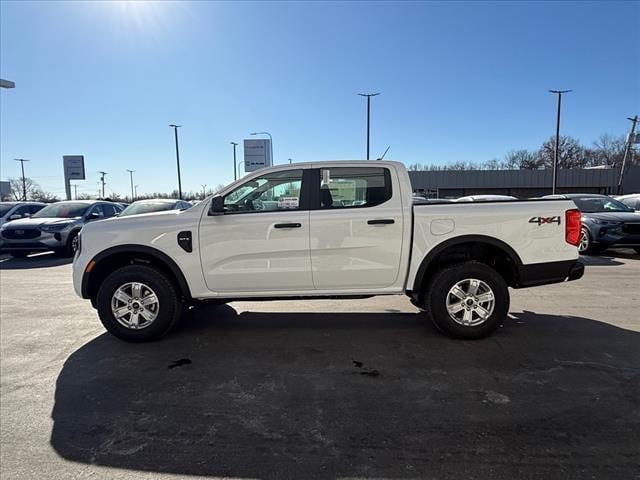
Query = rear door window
x=354 y=187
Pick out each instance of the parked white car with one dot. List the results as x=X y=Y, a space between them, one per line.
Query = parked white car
x=329 y=229
x=631 y=200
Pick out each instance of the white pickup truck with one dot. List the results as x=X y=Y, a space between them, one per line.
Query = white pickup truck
x=325 y=230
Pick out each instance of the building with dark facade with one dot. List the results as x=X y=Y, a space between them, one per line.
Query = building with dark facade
x=522 y=183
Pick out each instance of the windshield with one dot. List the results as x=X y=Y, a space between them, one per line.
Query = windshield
x=62 y=210
x=600 y=204
x=147 y=207
x=5 y=207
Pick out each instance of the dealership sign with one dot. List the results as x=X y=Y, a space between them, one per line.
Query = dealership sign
x=73 y=170
x=257 y=154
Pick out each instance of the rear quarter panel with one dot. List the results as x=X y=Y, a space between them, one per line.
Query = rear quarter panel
x=508 y=222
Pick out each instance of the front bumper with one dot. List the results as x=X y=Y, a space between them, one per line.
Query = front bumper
x=616 y=236
x=536 y=274
x=44 y=242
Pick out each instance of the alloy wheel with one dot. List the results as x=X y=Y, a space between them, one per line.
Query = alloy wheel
x=135 y=305
x=470 y=302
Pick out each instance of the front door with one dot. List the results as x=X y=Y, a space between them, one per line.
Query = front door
x=261 y=243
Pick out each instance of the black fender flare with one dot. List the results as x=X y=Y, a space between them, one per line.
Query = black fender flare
x=133 y=248
x=433 y=253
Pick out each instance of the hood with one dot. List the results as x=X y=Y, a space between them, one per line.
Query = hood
x=37 y=222
x=614 y=216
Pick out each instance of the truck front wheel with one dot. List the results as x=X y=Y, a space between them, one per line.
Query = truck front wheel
x=468 y=300
x=138 y=303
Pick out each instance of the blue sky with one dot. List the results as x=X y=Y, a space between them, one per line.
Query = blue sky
x=459 y=81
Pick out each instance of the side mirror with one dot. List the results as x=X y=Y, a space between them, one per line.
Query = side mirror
x=217 y=206
x=15 y=216
x=93 y=216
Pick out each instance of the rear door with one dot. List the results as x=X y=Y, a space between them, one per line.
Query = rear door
x=356 y=229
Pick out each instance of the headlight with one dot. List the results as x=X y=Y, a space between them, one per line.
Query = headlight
x=597 y=221
x=56 y=227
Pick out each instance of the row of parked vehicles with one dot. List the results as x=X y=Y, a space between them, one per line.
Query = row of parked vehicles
x=28 y=227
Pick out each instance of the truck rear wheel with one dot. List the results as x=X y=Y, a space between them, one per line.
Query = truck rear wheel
x=138 y=303
x=468 y=300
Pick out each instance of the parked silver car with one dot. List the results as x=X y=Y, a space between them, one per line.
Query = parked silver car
x=16 y=210
x=55 y=227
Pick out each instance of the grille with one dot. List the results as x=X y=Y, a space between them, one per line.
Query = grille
x=632 y=228
x=21 y=234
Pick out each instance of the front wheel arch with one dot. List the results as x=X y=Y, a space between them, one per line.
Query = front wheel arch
x=115 y=257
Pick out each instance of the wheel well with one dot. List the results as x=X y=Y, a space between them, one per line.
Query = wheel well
x=492 y=255
x=113 y=261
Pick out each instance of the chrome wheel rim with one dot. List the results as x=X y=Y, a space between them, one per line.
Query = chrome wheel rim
x=470 y=302
x=135 y=305
x=74 y=243
x=584 y=241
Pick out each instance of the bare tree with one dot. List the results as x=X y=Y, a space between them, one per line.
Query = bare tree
x=607 y=150
x=17 y=187
x=523 y=160
x=570 y=153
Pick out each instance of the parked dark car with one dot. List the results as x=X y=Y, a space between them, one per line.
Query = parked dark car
x=154 y=205
x=606 y=223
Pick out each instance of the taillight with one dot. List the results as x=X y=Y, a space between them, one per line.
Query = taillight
x=572 y=226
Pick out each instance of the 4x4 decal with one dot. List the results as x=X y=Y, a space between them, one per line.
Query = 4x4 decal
x=543 y=220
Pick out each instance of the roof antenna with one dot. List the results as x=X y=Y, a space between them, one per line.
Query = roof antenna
x=385 y=152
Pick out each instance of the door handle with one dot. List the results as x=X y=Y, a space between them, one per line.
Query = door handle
x=287 y=225
x=382 y=221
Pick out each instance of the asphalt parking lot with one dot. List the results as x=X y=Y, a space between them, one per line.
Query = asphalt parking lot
x=323 y=389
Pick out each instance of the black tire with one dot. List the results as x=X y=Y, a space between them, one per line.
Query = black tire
x=19 y=254
x=169 y=301
x=591 y=248
x=68 y=250
x=444 y=280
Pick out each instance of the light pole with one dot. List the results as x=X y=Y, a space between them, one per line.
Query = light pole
x=24 y=183
x=135 y=191
x=368 y=95
x=133 y=197
x=235 y=173
x=290 y=161
x=175 y=132
x=270 y=143
x=241 y=162
x=555 y=154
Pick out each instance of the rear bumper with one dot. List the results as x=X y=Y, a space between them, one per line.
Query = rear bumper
x=551 y=272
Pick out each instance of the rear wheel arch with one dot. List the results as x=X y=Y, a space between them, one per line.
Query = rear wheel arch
x=114 y=258
x=480 y=248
